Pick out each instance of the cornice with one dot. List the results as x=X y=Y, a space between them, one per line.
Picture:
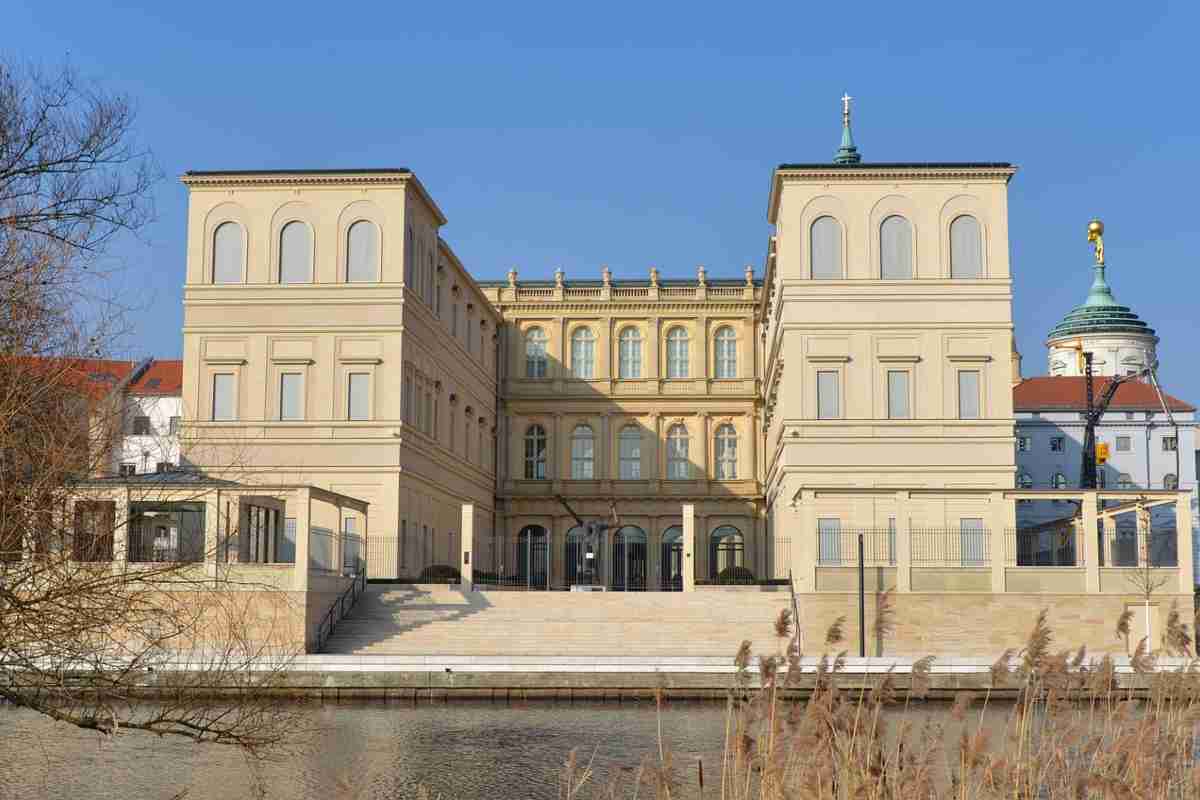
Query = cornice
x=655 y=306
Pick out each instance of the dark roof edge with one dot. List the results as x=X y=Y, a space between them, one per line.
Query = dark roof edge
x=353 y=171
x=591 y=283
x=866 y=165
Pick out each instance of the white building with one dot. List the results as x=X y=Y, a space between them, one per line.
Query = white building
x=153 y=408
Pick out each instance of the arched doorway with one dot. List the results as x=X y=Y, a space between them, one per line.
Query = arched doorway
x=670 y=563
x=629 y=560
x=726 y=549
x=584 y=563
x=532 y=563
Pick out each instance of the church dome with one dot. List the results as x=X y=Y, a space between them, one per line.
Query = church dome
x=1100 y=313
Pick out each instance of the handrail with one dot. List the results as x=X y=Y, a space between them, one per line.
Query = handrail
x=796 y=614
x=356 y=587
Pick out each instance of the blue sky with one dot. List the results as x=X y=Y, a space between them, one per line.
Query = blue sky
x=639 y=134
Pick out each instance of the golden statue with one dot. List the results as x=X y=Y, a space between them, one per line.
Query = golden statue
x=1096 y=236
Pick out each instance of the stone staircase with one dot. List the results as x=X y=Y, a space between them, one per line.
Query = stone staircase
x=406 y=619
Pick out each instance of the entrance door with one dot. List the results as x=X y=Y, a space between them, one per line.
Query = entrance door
x=532 y=559
x=629 y=560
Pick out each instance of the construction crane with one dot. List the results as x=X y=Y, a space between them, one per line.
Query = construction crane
x=1096 y=410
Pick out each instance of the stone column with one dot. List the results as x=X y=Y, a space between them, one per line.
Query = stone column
x=1183 y=540
x=467 y=539
x=903 y=543
x=753 y=449
x=689 y=547
x=656 y=468
x=653 y=343
x=701 y=541
x=303 y=500
x=604 y=457
x=1089 y=542
x=804 y=542
x=706 y=472
x=555 y=452
x=999 y=521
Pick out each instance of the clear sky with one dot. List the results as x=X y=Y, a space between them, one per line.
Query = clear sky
x=641 y=134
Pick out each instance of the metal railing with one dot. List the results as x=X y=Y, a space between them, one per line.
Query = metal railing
x=340 y=607
x=966 y=546
x=1124 y=545
x=420 y=556
x=1043 y=546
x=148 y=544
x=838 y=547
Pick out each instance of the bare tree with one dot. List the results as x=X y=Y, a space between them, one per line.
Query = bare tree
x=1146 y=579
x=86 y=637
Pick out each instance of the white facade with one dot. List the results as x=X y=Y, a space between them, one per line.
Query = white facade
x=150 y=434
x=1112 y=354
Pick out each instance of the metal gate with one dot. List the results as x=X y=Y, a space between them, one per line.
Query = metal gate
x=629 y=560
x=584 y=562
x=670 y=562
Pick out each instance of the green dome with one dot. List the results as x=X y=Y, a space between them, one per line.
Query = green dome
x=1100 y=313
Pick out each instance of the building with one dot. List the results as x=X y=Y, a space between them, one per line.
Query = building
x=332 y=338
x=152 y=410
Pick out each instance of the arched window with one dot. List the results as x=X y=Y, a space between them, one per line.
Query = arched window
x=629 y=559
x=727 y=549
x=670 y=563
x=1059 y=481
x=630 y=446
x=227 y=253
x=583 y=453
x=677 y=353
x=726 y=352
x=630 y=360
x=1124 y=481
x=966 y=248
x=678 y=465
x=295 y=253
x=825 y=248
x=584 y=558
x=535 y=453
x=362 y=252
x=726 y=452
x=1024 y=481
x=583 y=353
x=1170 y=481
x=895 y=248
x=535 y=350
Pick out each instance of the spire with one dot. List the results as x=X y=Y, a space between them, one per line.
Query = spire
x=847 y=153
x=1101 y=293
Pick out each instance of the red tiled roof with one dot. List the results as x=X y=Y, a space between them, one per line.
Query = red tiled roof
x=1069 y=393
x=95 y=376
x=161 y=378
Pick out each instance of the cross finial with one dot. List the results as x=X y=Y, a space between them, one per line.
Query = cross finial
x=847 y=153
x=846 y=98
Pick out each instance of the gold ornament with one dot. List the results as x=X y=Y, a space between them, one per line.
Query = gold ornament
x=1096 y=236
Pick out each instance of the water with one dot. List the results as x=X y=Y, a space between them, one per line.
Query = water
x=461 y=750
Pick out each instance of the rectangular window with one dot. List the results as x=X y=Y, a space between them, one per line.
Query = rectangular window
x=358 y=403
x=291 y=396
x=1124 y=444
x=173 y=428
x=1024 y=443
x=162 y=466
x=1057 y=444
x=223 y=407
x=898 y=407
x=631 y=455
x=829 y=541
x=128 y=469
x=285 y=549
x=968 y=394
x=141 y=426
x=972 y=541
x=828 y=402
x=1170 y=444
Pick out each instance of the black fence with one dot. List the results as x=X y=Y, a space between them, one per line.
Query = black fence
x=969 y=545
x=839 y=547
x=1043 y=546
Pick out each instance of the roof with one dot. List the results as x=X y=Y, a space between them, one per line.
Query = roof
x=96 y=377
x=160 y=378
x=1069 y=393
x=1100 y=313
x=352 y=171
x=172 y=477
x=868 y=165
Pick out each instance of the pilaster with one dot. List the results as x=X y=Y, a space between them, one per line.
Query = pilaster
x=1089 y=542
x=467 y=538
x=1001 y=518
x=1183 y=534
x=689 y=547
x=903 y=542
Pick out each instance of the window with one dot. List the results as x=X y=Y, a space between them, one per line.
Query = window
x=828 y=403
x=227 y=253
x=727 y=549
x=968 y=394
x=895 y=249
x=408 y=256
x=1024 y=443
x=825 y=248
x=630 y=447
x=677 y=353
x=1170 y=481
x=1057 y=444
x=583 y=353
x=726 y=347
x=972 y=541
x=1024 y=481
x=829 y=540
x=1170 y=444
x=141 y=426
x=1059 y=481
x=583 y=453
x=535 y=351
x=295 y=253
x=358 y=405
x=291 y=396
x=630 y=356
x=362 y=252
x=1124 y=481
x=223 y=407
x=126 y=470
x=162 y=466
x=1101 y=478
x=966 y=248
x=897 y=397
x=173 y=426
x=725 y=450
x=678 y=466
x=535 y=453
